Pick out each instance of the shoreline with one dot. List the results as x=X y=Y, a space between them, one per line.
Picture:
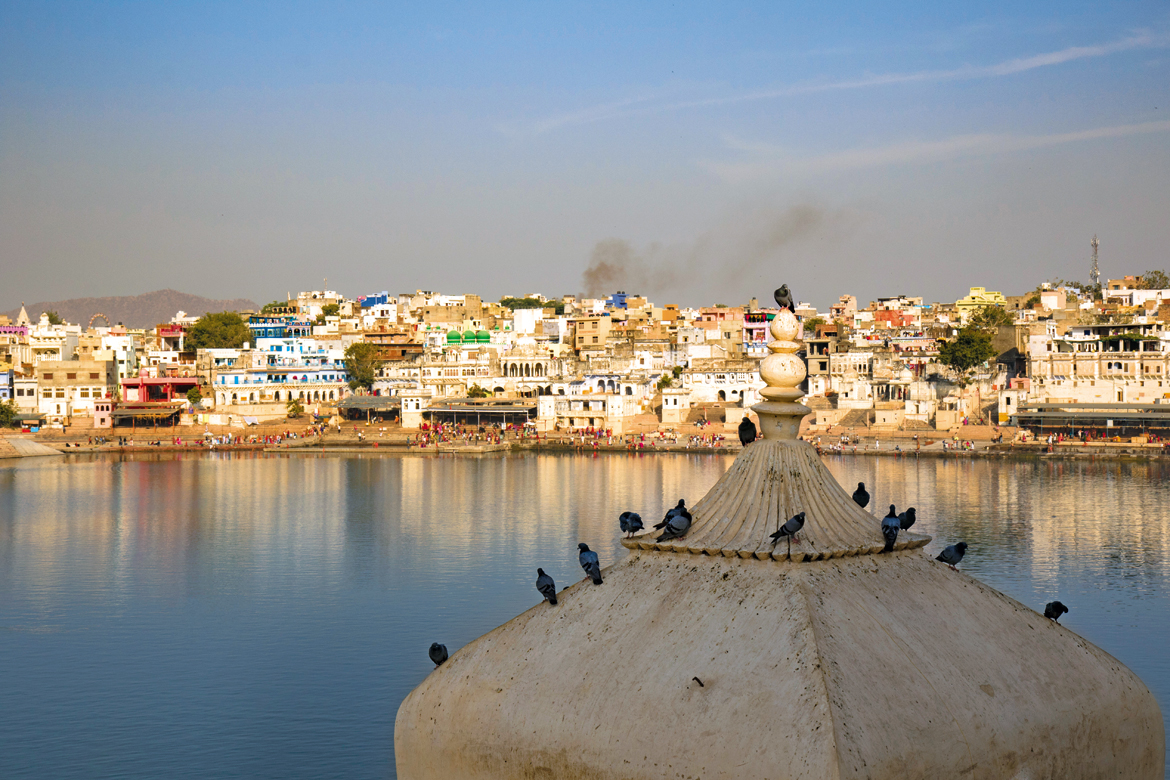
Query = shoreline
x=1065 y=451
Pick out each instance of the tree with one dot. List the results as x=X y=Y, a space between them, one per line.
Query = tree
x=330 y=310
x=294 y=408
x=194 y=397
x=269 y=307
x=475 y=391
x=362 y=363
x=992 y=318
x=811 y=324
x=223 y=330
x=1154 y=280
x=532 y=303
x=972 y=347
x=55 y=318
x=1032 y=302
x=8 y=412
x=665 y=381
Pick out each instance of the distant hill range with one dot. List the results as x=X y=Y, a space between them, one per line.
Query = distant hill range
x=133 y=311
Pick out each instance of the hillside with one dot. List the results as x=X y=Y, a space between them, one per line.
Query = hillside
x=133 y=311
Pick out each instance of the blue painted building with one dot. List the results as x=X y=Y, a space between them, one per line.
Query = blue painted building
x=6 y=379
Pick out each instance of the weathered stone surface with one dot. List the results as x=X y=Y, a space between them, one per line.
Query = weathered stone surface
x=859 y=667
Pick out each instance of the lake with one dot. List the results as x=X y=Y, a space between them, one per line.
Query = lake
x=262 y=616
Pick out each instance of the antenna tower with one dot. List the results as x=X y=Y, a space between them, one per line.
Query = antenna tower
x=1094 y=274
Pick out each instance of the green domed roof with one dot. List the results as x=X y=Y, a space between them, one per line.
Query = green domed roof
x=469 y=337
x=482 y=336
x=453 y=337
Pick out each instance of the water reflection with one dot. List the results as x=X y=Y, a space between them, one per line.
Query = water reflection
x=262 y=616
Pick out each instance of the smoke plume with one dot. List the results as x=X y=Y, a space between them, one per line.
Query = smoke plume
x=727 y=259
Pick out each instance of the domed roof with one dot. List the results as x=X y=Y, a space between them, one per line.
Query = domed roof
x=453 y=337
x=483 y=336
x=469 y=337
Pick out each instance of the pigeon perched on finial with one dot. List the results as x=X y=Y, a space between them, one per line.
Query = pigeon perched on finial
x=784 y=299
x=630 y=523
x=790 y=529
x=861 y=496
x=1053 y=610
x=890 y=527
x=678 y=509
x=546 y=586
x=676 y=524
x=747 y=431
x=907 y=518
x=589 y=563
x=438 y=653
x=953 y=554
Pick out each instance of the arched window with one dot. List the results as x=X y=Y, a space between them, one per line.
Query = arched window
x=234 y=398
x=560 y=391
x=722 y=396
x=629 y=390
x=601 y=385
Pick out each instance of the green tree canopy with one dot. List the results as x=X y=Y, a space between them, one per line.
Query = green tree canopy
x=532 y=303
x=268 y=307
x=194 y=396
x=294 y=408
x=810 y=325
x=992 y=318
x=223 y=330
x=55 y=318
x=475 y=391
x=1155 y=280
x=8 y=412
x=972 y=347
x=362 y=362
x=331 y=309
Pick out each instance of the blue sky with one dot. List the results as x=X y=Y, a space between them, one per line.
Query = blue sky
x=705 y=152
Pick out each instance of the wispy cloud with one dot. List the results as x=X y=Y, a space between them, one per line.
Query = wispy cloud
x=764 y=160
x=647 y=105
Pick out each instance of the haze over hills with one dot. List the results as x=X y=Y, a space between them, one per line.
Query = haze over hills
x=133 y=311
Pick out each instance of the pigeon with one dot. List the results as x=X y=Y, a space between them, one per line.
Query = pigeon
x=747 y=431
x=438 y=653
x=784 y=299
x=679 y=508
x=630 y=522
x=953 y=554
x=907 y=519
x=676 y=525
x=861 y=496
x=789 y=529
x=1053 y=610
x=589 y=563
x=890 y=527
x=546 y=586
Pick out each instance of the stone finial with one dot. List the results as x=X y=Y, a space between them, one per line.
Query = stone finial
x=782 y=371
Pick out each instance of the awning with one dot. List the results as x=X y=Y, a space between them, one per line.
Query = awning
x=150 y=414
x=372 y=403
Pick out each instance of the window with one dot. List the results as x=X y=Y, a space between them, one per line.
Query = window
x=47 y=376
x=60 y=392
x=71 y=376
x=94 y=375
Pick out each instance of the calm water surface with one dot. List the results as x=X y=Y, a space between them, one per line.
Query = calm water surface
x=262 y=616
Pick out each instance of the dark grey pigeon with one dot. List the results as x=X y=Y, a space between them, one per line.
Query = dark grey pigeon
x=907 y=519
x=630 y=522
x=589 y=563
x=1054 y=609
x=747 y=431
x=677 y=525
x=861 y=496
x=790 y=529
x=890 y=527
x=546 y=586
x=438 y=653
x=953 y=554
x=679 y=508
x=784 y=298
